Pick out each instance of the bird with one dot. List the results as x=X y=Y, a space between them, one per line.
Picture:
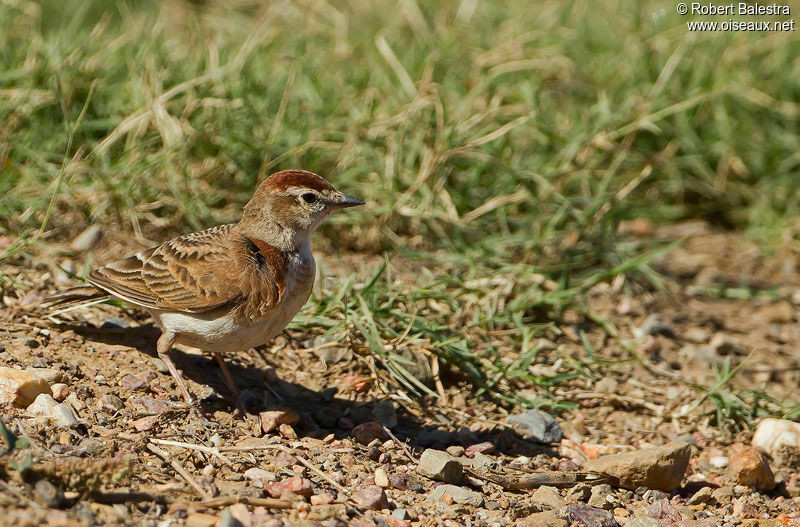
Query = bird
x=231 y=287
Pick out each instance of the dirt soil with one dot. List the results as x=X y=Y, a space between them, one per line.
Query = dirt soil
x=137 y=458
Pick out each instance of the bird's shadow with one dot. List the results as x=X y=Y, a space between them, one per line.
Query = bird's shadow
x=322 y=412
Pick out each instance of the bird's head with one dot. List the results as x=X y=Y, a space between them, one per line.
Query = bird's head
x=295 y=202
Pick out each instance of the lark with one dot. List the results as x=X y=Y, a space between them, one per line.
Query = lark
x=228 y=288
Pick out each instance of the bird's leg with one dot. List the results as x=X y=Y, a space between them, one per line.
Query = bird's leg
x=164 y=346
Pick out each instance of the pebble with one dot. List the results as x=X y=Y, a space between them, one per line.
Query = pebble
x=295 y=484
x=441 y=466
x=587 y=516
x=372 y=497
x=548 y=497
x=366 y=433
x=702 y=496
x=480 y=448
x=718 y=461
x=460 y=495
x=386 y=414
x=20 y=387
x=50 y=495
x=272 y=419
x=201 y=520
x=723 y=495
x=772 y=434
x=456 y=450
x=543 y=519
x=87 y=239
x=112 y=403
x=60 y=391
x=323 y=498
x=226 y=519
x=132 y=382
x=602 y=497
x=750 y=467
x=256 y=474
x=580 y=492
x=663 y=510
x=643 y=521
x=60 y=414
x=653 y=325
x=659 y=467
x=381 y=479
x=536 y=426
x=50 y=375
x=606 y=385
x=160 y=366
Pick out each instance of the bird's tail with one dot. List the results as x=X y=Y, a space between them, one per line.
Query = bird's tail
x=74 y=298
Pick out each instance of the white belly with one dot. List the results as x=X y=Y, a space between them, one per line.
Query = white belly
x=224 y=332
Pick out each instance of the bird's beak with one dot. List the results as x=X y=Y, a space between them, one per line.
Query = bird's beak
x=347 y=201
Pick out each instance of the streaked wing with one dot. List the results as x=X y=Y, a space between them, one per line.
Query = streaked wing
x=192 y=273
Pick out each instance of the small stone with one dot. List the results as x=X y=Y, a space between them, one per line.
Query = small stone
x=606 y=385
x=400 y=514
x=201 y=520
x=272 y=419
x=659 y=467
x=587 y=516
x=286 y=431
x=702 y=496
x=696 y=335
x=602 y=497
x=60 y=414
x=145 y=423
x=536 y=426
x=724 y=344
x=643 y=521
x=345 y=423
x=723 y=495
x=460 y=495
x=548 y=497
x=381 y=479
x=323 y=498
x=480 y=448
x=772 y=434
x=60 y=391
x=50 y=495
x=259 y=474
x=456 y=450
x=543 y=519
x=372 y=497
x=654 y=325
x=132 y=382
x=386 y=414
x=21 y=387
x=441 y=466
x=718 y=461
x=750 y=467
x=580 y=492
x=160 y=366
x=226 y=519
x=663 y=510
x=366 y=433
x=50 y=375
x=87 y=239
x=111 y=403
x=295 y=484
x=780 y=312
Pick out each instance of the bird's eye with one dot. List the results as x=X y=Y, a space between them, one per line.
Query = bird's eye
x=308 y=197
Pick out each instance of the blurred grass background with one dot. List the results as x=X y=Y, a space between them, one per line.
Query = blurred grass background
x=509 y=138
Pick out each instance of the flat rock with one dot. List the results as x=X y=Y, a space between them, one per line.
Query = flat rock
x=536 y=426
x=386 y=414
x=460 y=495
x=441 y=466
x=772 y=434
x=543 y=519
x=580 y=514
x=21 y=387
x=272 y=419
x=659 y=467
x=750 y=467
